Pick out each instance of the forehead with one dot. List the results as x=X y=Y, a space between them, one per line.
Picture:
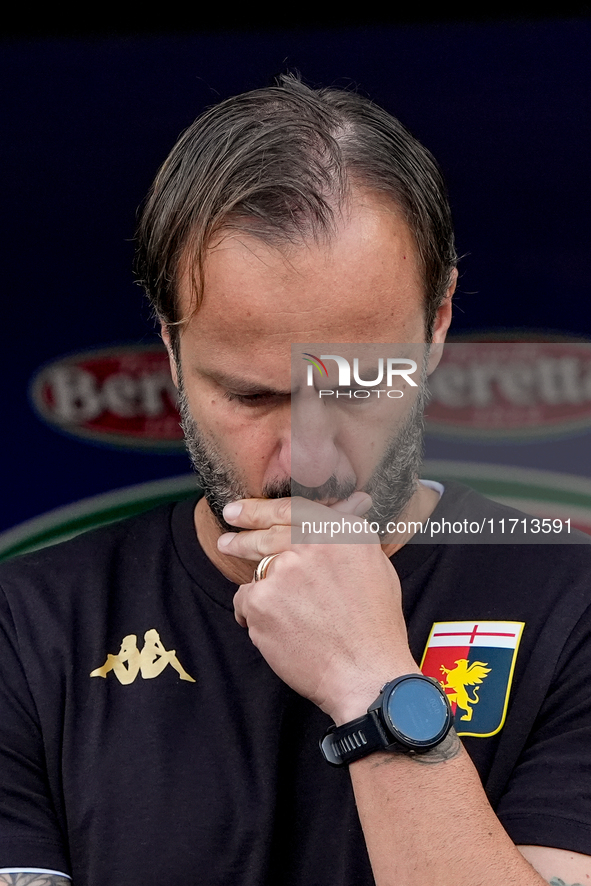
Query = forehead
x=364 y=283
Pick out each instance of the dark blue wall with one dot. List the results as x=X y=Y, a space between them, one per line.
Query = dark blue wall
x=504 y=107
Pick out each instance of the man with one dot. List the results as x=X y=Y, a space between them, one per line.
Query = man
x=286 y=216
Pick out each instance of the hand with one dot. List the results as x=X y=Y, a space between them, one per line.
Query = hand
x=327 y=617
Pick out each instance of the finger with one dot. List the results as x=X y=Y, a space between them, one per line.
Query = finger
x=255 y=544
x=239 y=606
x=259 y=513
x=358 y=504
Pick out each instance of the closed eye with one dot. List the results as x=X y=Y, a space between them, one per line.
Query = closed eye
x=262 y=398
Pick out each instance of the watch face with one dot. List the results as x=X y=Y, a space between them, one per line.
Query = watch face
x=417 y=712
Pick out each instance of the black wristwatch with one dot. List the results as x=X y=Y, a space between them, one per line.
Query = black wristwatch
x=410 y=714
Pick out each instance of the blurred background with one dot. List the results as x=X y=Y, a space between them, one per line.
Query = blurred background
x=90 y=111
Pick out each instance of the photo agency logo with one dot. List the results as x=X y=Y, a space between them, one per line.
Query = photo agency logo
x=376 y=447
x=356 y=426
x=389 y=372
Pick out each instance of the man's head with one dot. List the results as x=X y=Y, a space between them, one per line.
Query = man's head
x=281 y=163
x=289 y=215
x=390 y=485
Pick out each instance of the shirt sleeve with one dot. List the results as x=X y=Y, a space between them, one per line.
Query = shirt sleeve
x=30 y=836
x=548 y=797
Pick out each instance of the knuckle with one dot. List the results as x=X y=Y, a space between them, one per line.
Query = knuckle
x=284 y=510
x=260 y=546
x=258 y=605
x=277 y=537
x=256 y=510
x=238 y=603
x=288 y=560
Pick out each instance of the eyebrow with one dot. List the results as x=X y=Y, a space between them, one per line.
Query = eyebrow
x=244 y=386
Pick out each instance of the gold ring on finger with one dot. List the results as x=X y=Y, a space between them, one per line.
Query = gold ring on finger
x=261 y=570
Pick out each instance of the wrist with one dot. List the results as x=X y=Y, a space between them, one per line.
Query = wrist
x=411 y=714
x=353 y=701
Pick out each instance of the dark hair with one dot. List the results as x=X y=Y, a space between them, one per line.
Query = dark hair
x=280 y=162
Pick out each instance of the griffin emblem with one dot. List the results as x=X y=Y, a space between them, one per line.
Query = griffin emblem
x=459 y=678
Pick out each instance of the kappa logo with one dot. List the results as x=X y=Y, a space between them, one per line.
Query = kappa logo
x=474 y=662
x=149 y=662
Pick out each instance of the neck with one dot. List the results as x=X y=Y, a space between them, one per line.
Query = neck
x=208 y=531
x=421 y=505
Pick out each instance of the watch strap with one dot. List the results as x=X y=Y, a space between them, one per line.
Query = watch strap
x=351 y=741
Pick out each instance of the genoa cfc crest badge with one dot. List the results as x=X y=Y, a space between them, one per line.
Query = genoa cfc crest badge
x=474 y=662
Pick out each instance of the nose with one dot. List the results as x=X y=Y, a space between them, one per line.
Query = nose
x=309 y=452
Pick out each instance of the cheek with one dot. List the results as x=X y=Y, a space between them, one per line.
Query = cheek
x=244 y=438
x=214 y=414
x=364 y=449
x=366 y=438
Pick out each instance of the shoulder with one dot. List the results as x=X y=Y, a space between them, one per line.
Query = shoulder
x=92 y=556
x=62 y=606
x=464 y=516
x=472 y=548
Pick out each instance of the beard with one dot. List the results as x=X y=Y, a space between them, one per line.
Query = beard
x=391 y=486
x=219 y=483
x=395 y=480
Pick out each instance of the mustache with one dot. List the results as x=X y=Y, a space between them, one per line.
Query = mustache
x=331 y=489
